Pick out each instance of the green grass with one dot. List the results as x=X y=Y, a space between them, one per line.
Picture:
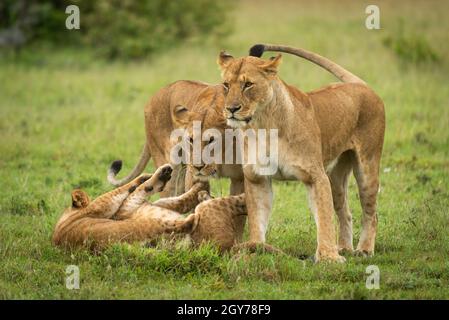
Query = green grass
x=65 y=116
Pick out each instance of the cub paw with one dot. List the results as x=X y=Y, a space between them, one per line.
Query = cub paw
x=165 y=173
x=144 y=177
x=203 y=196
x=137 y=182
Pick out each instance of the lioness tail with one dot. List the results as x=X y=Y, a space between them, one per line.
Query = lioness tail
x=116 y=166
x=337 y=70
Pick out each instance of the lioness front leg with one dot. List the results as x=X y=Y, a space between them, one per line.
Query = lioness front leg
x=237 y=187
x=259 y=200
x=321 y=204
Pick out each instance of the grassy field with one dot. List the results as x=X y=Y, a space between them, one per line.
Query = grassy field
x=64 y=116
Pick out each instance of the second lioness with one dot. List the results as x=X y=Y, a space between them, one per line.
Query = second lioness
x=176 y=106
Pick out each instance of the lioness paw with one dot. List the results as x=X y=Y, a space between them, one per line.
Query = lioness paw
x=345 y=251
x=329 y=258
x=363 y=253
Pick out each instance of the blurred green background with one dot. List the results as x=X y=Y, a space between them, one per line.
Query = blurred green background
x=72 y=101
x=114 y=29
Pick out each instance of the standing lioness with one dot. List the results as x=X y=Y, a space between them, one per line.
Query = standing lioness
x=323 y=136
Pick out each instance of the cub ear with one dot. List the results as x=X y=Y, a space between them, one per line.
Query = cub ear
x=80 y=199
x=224 y=59
x=180 y=114
x=271 y=66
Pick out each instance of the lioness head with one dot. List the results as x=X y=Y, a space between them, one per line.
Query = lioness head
x=198 y=107
x=204 y=145
x=206 y=111
x=201 y=170
x=247 y=86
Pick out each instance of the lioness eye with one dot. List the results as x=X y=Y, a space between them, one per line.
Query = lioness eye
x=247 y=85
x=226 y=86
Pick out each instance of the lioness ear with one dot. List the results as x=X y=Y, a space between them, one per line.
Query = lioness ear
x=271 y=66
x=80 y=199
x=180 y=114
x=224 y=59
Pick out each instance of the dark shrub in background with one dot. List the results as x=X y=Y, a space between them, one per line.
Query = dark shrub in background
x=116 y=28
x=134 y=29
x=410 y=47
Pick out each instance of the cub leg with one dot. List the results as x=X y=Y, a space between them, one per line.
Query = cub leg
x=203 y=195
x=176 y=184
x=106 y=205
x=138 y=197
x=183 y=203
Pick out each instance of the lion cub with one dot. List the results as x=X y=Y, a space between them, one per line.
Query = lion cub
x=124 y=215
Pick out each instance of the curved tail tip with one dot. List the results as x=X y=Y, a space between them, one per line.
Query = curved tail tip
x=116 y=166
x=257 y=50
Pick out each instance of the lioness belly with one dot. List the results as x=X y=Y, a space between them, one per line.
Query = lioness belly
x=283 y=171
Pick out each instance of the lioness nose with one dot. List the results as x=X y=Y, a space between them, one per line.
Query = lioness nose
x=234 y=108
x=199 y=167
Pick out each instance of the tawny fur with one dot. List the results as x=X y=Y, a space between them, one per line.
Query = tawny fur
x=217 y=220
x=177 y=106
x=124 y=215
x=323 y=136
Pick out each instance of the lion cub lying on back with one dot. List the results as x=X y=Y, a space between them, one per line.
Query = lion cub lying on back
x=124 y=215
